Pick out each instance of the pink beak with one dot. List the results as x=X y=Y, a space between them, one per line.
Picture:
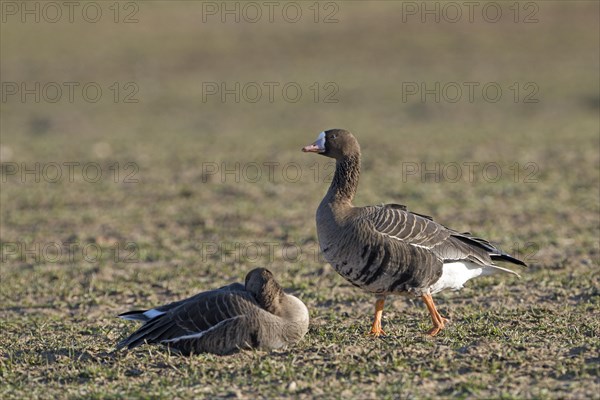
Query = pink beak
x=318 y=146
x=312 y=148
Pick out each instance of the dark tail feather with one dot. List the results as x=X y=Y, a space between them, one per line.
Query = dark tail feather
x=495 y=253
x=476 y=242
x=507 y=258
x=133 y=340
x=150 y=332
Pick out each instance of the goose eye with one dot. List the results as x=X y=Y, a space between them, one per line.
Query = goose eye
x=333 y=136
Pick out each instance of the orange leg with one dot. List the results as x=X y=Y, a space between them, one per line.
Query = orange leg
x=436 y=318
x=376 y=328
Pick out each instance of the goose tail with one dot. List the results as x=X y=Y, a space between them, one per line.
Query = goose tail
x=507 y=258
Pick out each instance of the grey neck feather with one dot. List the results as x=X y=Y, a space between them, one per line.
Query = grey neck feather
x=345 y=180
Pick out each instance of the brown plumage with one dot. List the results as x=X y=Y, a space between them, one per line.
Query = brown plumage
x=387 y=249
x=258 y=314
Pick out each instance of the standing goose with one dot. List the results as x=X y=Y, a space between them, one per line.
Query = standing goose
x=387 y=249
x=256 y=315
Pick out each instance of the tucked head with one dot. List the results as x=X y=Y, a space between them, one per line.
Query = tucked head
x=334 y=143
x=262 y=284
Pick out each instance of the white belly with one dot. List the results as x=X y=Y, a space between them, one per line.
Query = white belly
x=455 y=274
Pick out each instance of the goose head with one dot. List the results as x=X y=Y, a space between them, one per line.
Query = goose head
x=334 y=143
x=265 y=289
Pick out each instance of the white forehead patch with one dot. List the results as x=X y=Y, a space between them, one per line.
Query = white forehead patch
x=320 y=142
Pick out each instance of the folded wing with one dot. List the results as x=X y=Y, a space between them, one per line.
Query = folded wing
x=216 y=321
x=422 y=232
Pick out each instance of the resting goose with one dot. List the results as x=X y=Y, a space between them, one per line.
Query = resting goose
x=387 y=249
x=256 y=315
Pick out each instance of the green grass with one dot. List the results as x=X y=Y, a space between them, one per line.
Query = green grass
x=534 y=337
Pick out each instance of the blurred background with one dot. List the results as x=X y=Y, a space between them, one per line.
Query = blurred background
x=178 y=91
x=166 y=98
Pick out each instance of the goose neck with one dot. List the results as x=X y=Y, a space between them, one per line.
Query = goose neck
x=345 y=180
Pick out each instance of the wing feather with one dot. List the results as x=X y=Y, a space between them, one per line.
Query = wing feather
x=397 y=223
x=192 y=316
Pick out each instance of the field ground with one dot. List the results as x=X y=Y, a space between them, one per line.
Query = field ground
x=175 y=222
